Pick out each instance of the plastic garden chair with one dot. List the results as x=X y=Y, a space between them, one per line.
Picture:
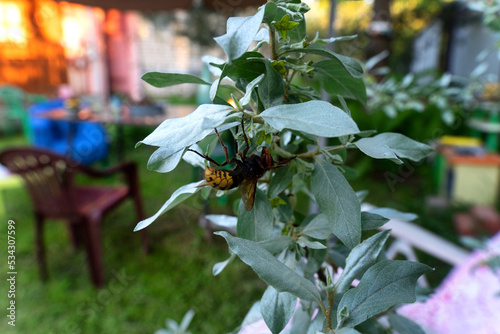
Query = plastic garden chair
x=50 y=180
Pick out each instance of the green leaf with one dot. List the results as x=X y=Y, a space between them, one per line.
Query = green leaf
x=219 y=266
x=272 y=89
x=385 y=284
x=270 y=269
x=318 y=228
x=284 y=211
x=336 y=80
x=393 y=146
x=404 y=325
x=278 y=244
x=346 y=330
x=360 y=259
x=249 y=66
x=256 y=224
x=277 y=309
x=351 y=65
x=390 y=213
x=177 y=197
x=240 y=34
x=163 y=160
x=372 y=221
x=245 y=100
x=318 y=118
x=179 y=133
x=299 y=32
x=338 y=202
x=224 y=221
x=304 y=241
x=161 y=80
x=280 y=180
x=315 y=259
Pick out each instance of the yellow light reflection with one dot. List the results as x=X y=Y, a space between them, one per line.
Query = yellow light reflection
x=12 y=27
x=72 y=37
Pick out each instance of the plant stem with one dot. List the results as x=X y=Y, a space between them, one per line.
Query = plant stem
x=272 y=42
x=330 y=296
x=313 y=153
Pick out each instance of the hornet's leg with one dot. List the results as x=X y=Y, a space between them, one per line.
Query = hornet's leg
x=283 y=163
x=245 y=151
x=224 y=147
x=205 y=157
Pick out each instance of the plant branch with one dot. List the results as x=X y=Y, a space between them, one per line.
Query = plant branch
x=313 y=153
x=330 y=296
x=272 y=42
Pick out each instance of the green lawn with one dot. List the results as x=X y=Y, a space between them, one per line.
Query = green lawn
x=141 y=291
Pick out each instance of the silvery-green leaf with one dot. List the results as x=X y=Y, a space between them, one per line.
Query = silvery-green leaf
x=192 y=158
x=318 y=324
x=252 y=316
x=306 y=242
x=351 y=65
x=270 y=269
x=271 y=89
x=338 y=202
x=404 y=325
x=210 y=61
x=347 y=330
x=362 y=195
x=249 y=89
x=385 y=284
x=318 y=228
x=393 y=146
x=315 y=259
x=163 y=160
x=278 y=244
x=372 y=221
x=256 y=224
x=301 y=321
x=360 y=259
x=318 y=118
x=223 y=221
x=277 y=308
x=280 y=180
x=393 y=213
x=219 y=266
x=161 y=80
x=186 y=320
x=240 y=34
x=179 y=133
x=177 y=197
x=336 y=80
x=262 y=36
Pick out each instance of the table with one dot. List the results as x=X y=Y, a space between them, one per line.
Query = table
x=106 y=118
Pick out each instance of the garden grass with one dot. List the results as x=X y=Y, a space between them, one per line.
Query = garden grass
x=141 y=291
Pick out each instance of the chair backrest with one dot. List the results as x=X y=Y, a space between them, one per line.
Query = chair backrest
x=48 y=177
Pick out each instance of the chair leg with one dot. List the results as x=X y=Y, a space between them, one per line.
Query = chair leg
x=92 y=236
x=136 y=196
x=74 y=230
x=39 y=247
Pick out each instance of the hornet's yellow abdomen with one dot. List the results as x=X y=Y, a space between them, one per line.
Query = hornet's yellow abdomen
x=219 y=178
